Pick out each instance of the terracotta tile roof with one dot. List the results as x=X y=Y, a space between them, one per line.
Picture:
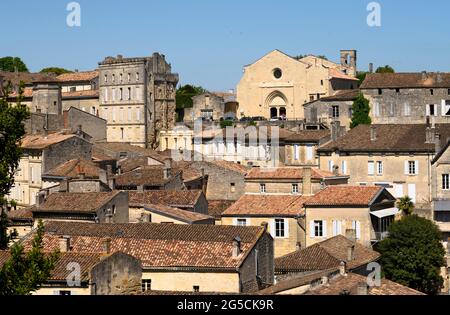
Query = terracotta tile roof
x=160 y=246
x=345 y=196
x=390 y=138
x=78 y=76
x=231 y=166
x=336 y=74
x=130 y=164
x=308 y=136
x=39 y=142
x=288 y=173
x=178 y=214
x=325 y=255
x=76 y=202
x=266 y=205
x=217 y=207
x=27 y=92
x=406 y=80
x=343 y=95
x=261 y=132
x=25 y=214
x=171 y=198
x=77 y=94
x=99 y=156
x=60 y=273
x=147 y=176
x=113 y=148
x=73 y=168
x=351 y=281
x=26 y=77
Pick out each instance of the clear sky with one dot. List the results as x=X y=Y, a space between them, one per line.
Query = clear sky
x=209 y=41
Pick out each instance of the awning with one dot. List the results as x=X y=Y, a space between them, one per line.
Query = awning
x=385 y=213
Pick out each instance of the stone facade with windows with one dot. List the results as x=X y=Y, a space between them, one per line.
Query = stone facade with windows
x=408 y=98
x=137 y=98
x=278 y=85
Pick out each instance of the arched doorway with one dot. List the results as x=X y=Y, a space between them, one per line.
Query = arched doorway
x=273 y=112
x=277 y=103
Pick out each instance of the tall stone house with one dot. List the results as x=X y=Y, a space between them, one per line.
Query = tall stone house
x=408 y=98
x=137 y=98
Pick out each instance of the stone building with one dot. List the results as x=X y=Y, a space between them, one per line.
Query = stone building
x=278 y=85
x=211 y=107
x=177 y=257
x=408 y=98
x=137 y=98
x=397 y=157
x=43 y=153
x=335 y=108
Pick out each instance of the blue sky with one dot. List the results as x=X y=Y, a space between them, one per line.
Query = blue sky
x=209 y=41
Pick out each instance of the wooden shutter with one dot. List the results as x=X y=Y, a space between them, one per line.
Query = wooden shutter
x=406 y=167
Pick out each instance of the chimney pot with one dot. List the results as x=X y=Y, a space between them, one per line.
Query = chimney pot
x=373 y=133
x=107 y=245
x=64 y=244
x=306 y=183
x=351 y=253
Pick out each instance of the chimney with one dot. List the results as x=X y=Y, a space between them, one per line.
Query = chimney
x=437 y=142
x=373 y=133
x=236 y=247
x=103 y=176
x=351 y=235
x=351 y=253
x=107 y=246
x=371 y=67
x=265 y=225
x=335 y=130
x=325 y=280
x=64 y=186
x=64 y=244
x=343 y=268
x=306 y=184
x=336 y=170
x=167 y=168
x=363 y=289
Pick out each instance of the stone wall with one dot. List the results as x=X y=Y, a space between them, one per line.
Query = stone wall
x=73 y=148
x=91 y=124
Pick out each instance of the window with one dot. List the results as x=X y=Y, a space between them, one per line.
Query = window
x=335 y=112
x=376 y=110
x=232 y=185
x=344 y=167
x=309 y=152
x=380 y=168
x=330 y=166
x=371 y=168
x=397 y=90
x=448 y=92
x=122 y=135
x=121 y=78
x=318 y=229
x=121 y=94
x=446 y=108
x=392 y=110
x=380 y=91
x=106 y=79
x=296 y=152
x=337 y=227
x=241 y=222
x=262 y=188
x=129 y=94
x=295 y=188
x=146 y=285
x=412 y=168
x=113 y=91
x=196 y=288
x=407 y=109
x=114 y=78
x=356 y=226
x=446 y=181
x=129 y=77
x=129 y=113
x=137 y=76
x=321 y=82
x=280 y=228
x=431 y=91
x=106 y=94
x=431 y=110
x=138 y=114
x=277 y=73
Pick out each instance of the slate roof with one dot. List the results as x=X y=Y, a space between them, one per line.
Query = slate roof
x=406 y=80
x=267 y=205
x=160 y=246
x=390 y=138
x=171 y=198
x=345 y=196
x=325 y=255
x=76 y=202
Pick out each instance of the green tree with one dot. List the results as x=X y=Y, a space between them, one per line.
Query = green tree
x=10 y=64
x=55 y=70
x=25 y=272
x=406 y=205
x=185 y=94
x=385 y=69
x=360 y=112
x=12 y=129
x=413 y=254
x=361 y=76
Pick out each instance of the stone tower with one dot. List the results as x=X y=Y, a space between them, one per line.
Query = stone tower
x=47 y=98
x=137 y=98
x=349 y=62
